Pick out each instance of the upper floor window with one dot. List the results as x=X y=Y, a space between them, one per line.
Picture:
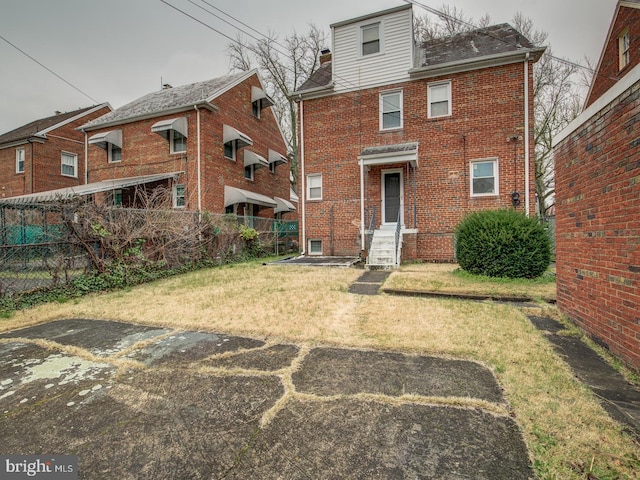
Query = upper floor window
x=623 y=49
x=314 y=187
x=114 y=153
x=178 y=142
x=248 y=172
x=390 y=110
x=179 y=198
x=110 y=141
x=69 y=164
x=20 y=160
x=259 y=100
x=484 y=177
x=370 y=39
x=439 y=98
x=233 y=140
x=175 y=131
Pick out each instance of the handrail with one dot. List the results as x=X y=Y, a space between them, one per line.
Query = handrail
x=398 y=230
x=372 y=226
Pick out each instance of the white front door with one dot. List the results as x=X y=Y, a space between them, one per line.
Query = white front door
x=392 y=196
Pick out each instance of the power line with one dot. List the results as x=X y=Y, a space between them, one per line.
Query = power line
x=49 y=70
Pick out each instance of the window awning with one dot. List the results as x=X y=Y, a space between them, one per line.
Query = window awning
x=252 y=158
x=178 y=124
x=283 y=205
x=229 y=134
x=388 y=154
x=275 y=157
x=259 y=94
x=62 y=194
x=102 y=139
x=234 y=195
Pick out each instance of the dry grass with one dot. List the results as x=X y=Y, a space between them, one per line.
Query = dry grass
x=564 y=426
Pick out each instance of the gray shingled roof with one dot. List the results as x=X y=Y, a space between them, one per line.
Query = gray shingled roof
x=318 y=79
x=33 y=128
x=167 y=100
x=483 y=42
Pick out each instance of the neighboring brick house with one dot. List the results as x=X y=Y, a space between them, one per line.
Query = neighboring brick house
x=215 y=144
x=597 y=162
x=45 y=154
x=422 y=132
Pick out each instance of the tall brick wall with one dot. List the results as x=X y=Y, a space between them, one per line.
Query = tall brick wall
x=609 y=69
x=46 y=173
x=145 y=152
x=488 y=109
x=598 y=226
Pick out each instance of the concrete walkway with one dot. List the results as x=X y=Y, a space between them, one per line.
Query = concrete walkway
x=142 y=402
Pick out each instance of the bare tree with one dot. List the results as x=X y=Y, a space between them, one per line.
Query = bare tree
x=451 y=21
x=284 y=65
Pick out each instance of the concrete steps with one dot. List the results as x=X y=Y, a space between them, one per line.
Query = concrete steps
x=382 y=254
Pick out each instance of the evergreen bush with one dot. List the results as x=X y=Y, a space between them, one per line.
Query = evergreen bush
x=502 y=243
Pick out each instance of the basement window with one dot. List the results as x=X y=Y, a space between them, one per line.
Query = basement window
x=315 y=247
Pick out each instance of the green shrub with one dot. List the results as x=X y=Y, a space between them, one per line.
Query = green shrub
x=502 y=243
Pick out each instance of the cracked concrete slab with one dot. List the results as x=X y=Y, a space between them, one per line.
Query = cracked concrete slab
x=144 y=402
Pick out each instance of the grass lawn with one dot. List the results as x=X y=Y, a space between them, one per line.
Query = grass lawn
x=568 y=434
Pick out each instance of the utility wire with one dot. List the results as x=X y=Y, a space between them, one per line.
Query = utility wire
x=49 y=70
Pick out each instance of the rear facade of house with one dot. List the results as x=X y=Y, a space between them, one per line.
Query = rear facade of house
x=597 y=170
x=403 y=138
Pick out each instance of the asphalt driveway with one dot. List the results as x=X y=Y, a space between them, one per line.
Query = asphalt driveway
x=134 y=401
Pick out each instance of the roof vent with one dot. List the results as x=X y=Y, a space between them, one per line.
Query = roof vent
x=166 y=86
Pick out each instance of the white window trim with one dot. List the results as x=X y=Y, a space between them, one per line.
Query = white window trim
x=496 y=176
x=75 y=164
x=252 y=169
x=382 y=95
x=110 y=154
x=172 y=144
x=309 y=246
x=361 y=27
x=624 y=54
x=309 y=177
x=175 y=195
x=449 y=99
x=234 y=153
x=20 y=152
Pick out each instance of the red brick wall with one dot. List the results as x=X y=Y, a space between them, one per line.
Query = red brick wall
x=598 y=226
x=144 y=152
x=46 y=174
x=488 y=108
x=609 y=70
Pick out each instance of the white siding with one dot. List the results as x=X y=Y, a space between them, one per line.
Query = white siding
x=352 y=71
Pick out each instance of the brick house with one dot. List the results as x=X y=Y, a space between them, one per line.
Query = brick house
x=597 y=161
x=215 y=144
x=45 y=154
x=423 y=133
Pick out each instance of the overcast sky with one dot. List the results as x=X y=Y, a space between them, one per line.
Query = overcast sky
x=118 y=50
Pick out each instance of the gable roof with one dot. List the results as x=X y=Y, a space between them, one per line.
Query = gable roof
x=40 y=127
x=319 y=79
x=169 y=100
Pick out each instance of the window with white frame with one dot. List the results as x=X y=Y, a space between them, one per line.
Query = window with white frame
x=249 y=171
x=315 y=247
x=484 y=177
x=20 y=160
x=178 y=142
x=623 y=49
x=391 y=110
x=179 y=199
x=114 y=153
x=69 y=164
x=314 y=187
x=370 y=36
x=439 y=99
x=230 y=150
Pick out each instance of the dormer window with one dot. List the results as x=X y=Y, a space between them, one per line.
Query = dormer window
x=233 y=140
x=370 y=39
x=259 y=100
x=623 y=50
x=110 y=141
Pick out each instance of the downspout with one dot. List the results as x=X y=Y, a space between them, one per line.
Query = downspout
x=526 y=136
x=31 y=165
x=362 y=225
x=86 y=158
x=198 y=161
x=303 y=192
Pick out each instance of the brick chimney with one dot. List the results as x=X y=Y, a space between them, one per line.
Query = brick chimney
x=325 y=56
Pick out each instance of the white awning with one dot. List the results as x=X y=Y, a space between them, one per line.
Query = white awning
x=234 y=195
x=252 y=158
x=389 y=154
x=102 y=139
x=62 y=194
x=229 y=134
x=293 y=196
x=283 y=205
x=178 y=124
x=259 y=94
x=275 y=157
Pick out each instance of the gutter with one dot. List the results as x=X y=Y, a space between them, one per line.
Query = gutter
x=527 y=160
x=198 y=161
x=303 y=187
